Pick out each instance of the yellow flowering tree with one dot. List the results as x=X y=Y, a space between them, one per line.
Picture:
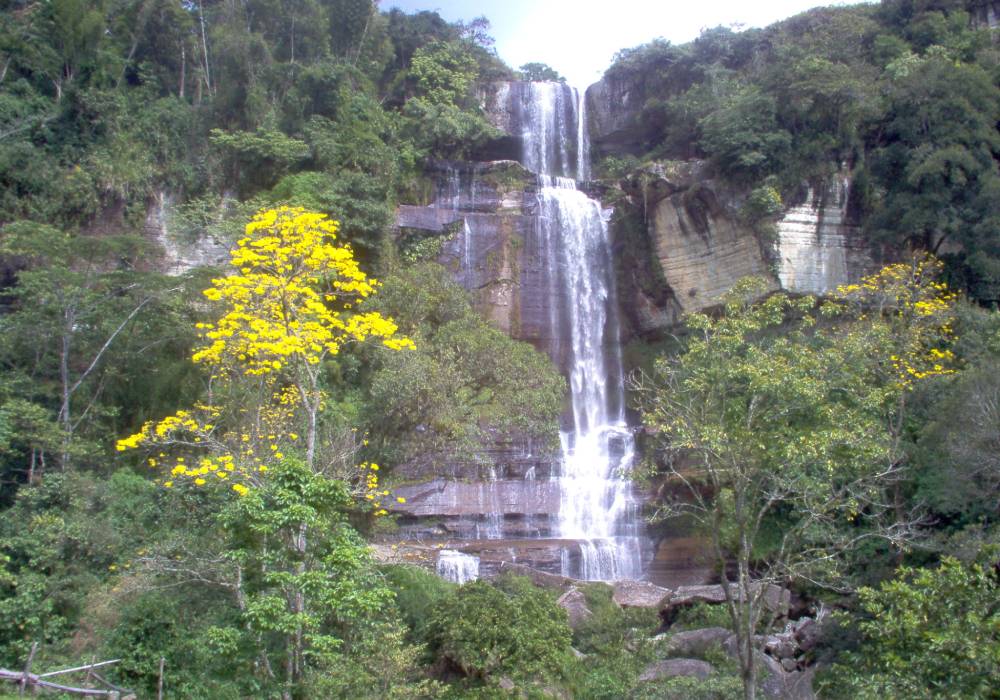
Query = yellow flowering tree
x=294 y=299
x=902 y=316
x=905 y=308
x=291 y=302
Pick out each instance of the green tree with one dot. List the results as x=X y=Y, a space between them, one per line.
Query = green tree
x=541 y=72
x=936 y=160
x=780 y=436
x=930 y=633
x=69 y=290
x=511 y=628
x=465 y=384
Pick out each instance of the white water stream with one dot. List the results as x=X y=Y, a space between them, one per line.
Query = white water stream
x=597 y=531
x=597 y=506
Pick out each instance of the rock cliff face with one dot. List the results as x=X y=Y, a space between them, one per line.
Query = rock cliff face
x=702 y=248
x=986 y=13
x=612 y=107
x=818 y=247
x=486 y=214
x=701 y=244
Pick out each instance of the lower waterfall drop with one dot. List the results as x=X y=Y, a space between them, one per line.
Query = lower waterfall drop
x=456 y=566
x=597 y=505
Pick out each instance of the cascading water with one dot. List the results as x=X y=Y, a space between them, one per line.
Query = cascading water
x=456 y=566
x=597 y=506
x=579 y=516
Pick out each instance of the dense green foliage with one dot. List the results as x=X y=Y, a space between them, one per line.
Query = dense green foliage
x=116 y=117
x=510 y=628
x=905 y=94
x=932 y=633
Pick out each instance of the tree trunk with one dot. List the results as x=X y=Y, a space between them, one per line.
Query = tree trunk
x=204 y=47
x=65 y=419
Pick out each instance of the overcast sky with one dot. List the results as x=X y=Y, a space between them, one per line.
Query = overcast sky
x=578 y=38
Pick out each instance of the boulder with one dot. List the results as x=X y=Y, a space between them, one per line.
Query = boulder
x=781 y=646
x=775 y=598
x=695 y=642
x=677 y=667
x=542 y=579
x=776 y=681
x=640 y=594
x=807 y=632
x=575 y=605
x=783 y=685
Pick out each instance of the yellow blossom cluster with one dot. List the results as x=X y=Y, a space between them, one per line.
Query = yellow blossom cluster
x=190 y=449
x=291 y=298
x=289 y=303
x=916 y=311
x=372 y=490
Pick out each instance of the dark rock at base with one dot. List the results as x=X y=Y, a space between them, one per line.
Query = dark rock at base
x=676 y=667
x=781 y=646
x=640 y=594
x=807 y=632
x=796 y=685
x=575 y=605
x=775 y=681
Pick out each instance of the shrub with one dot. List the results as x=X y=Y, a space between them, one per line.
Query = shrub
x=511 y=629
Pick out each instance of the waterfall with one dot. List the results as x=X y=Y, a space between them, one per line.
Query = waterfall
x=457 y=566
x=578 y=515
x=597 y=505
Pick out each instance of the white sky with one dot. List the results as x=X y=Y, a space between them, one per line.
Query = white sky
x=579 y=38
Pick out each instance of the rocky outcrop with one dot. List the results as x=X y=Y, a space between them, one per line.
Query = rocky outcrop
x=180 y=254
x=671 y=668
x=775 y=598
x=701 y=246
x=701 y=243
x=541 y=579
x=639 y=594
x=575 y=605
x=613 y=106
x=486 y=217
x=695 y=642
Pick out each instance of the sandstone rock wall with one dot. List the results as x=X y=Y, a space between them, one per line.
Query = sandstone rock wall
x=702 y=245
x=612 y=107
x=702 y=249
x=819 y=248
